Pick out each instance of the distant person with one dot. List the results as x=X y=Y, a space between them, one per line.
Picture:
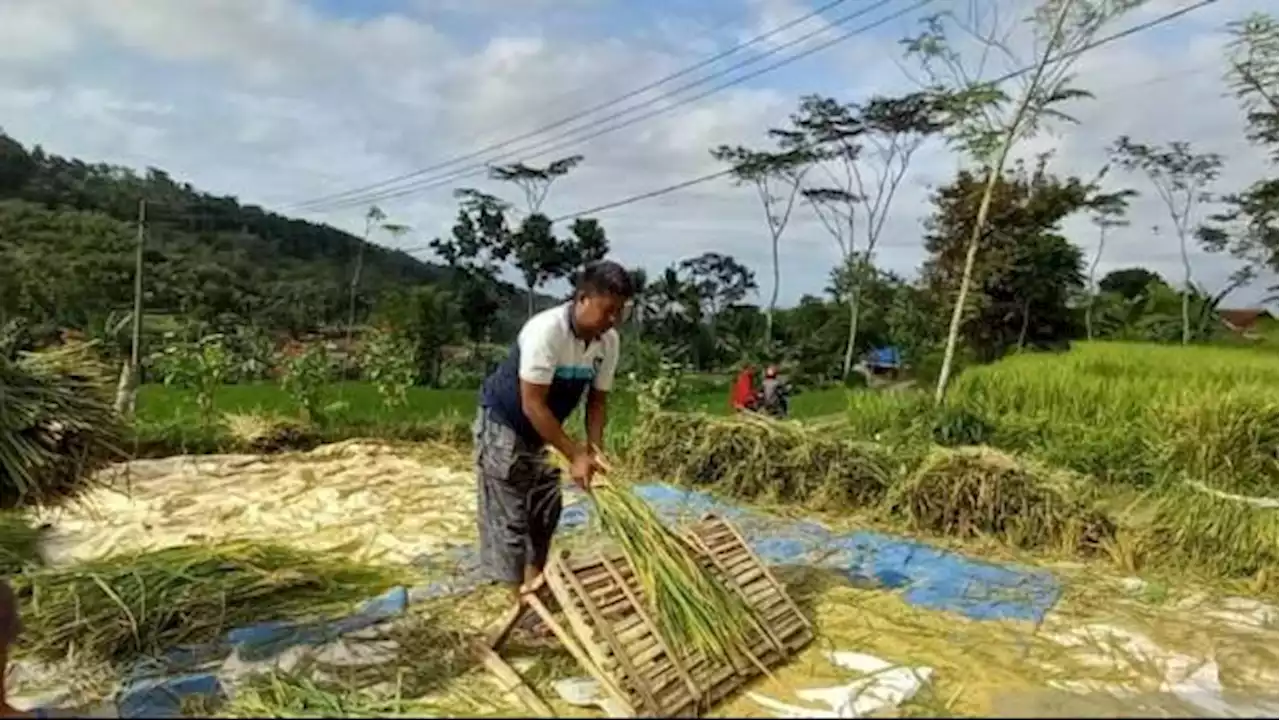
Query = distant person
x=773 y=393
x=742 y=397
x=561 y=354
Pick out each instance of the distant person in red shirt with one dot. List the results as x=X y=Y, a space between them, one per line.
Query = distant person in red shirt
x=743 y=395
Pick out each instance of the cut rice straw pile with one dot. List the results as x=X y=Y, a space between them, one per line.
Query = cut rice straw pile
x=117 y=609
x=694 y=609
x=57 y=426
x=754 y=457
x=976 y=491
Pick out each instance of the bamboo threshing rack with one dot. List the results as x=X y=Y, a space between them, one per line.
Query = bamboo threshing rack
x=613 y=634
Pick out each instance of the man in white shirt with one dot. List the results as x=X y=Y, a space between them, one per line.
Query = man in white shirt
x=561 y=354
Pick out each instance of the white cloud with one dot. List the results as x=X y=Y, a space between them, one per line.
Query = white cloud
x=278 y=102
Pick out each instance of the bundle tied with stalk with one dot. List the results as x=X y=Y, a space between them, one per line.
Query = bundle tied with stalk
x=57 y=425
x=693 y=609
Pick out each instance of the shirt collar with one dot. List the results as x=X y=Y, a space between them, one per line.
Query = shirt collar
x=568 y=314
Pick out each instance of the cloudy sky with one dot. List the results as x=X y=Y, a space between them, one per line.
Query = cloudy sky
x=281 y=102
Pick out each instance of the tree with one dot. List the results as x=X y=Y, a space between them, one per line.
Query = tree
x=1129 y=283
x=777 y=177
x=979 y=116
x=477 y=246
x=719 y=281
x=1106 y=212
x=534 y=249
x=16 y=166
x=1181 y=178
x=372 y=217
x=1247 y=227
x=864 y=151
x=1025 y=270
x=1252 y=54
x=430 y=318
x=534 y=182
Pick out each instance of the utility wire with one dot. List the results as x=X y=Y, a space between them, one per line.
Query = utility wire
x=574 y=116
x=727 y=171
x=542 y=148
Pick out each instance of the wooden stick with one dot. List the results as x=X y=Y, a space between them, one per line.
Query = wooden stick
x=578 y=654
x=510 y=681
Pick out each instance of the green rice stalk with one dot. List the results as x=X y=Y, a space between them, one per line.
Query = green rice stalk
x=57 y=426
x=694 y=609
x=116 y=609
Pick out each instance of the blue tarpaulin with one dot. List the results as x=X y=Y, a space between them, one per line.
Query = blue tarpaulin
x=926 y=576
x=885 y=357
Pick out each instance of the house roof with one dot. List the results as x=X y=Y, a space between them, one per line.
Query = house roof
x=1244 y=318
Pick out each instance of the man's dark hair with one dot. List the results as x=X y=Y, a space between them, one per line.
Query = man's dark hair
x=605 y=277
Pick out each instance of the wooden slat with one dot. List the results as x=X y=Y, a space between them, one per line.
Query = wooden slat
x=614 y=638
x=619 y=651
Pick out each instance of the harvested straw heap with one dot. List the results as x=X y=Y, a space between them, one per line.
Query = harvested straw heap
x=19 y=543
x=116 y=609
x=694 y=610
x=755 y=457
x=57 y=426
x=977 y=491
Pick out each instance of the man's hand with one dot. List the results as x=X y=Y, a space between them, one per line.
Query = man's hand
x=583 y=465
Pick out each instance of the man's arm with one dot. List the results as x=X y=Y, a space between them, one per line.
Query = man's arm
x=597 y=413
x=538 y=353
x=533 y=397
x=597 y=417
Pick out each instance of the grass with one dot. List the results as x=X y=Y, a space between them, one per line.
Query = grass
x=168 y=420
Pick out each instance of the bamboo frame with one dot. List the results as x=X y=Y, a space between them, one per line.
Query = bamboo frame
x=618 y=642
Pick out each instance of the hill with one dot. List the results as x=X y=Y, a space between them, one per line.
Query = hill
x=67 y=243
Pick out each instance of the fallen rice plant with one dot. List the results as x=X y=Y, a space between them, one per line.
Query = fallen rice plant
x=116 y=609
x=1187 y=529
x=754 y=457
x=976 y=492
x=263 y=433
x=57 y=426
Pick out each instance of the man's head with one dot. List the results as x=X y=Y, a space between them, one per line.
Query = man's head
x=600 y=296
x=771 y=372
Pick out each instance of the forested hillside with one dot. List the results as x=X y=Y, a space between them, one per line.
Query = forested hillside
x=67 y=242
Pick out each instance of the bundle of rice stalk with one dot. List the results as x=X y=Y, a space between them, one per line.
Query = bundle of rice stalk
x=755 y=457
x=1185 y=528
x=116 y=609
x=976 y=491
x=19 y=543
x=694 y=610
x=57 y=426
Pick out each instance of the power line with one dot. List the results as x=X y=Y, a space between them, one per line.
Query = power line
x=543 y=149
x=573 y=116
x=1163 y=77
x=722 y=173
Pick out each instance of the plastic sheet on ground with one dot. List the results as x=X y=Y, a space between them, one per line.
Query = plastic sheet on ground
x=156 y=688
x=880 y=686
x=926 y=576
